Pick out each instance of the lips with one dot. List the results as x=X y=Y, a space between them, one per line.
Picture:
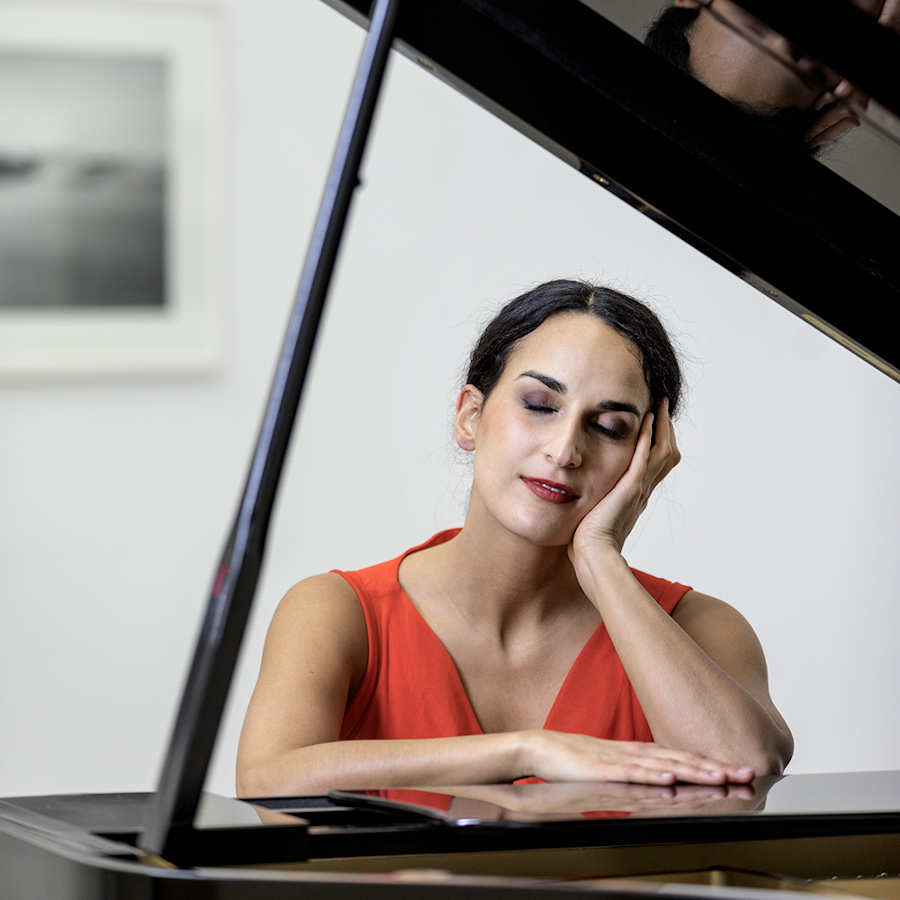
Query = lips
x=551 y=491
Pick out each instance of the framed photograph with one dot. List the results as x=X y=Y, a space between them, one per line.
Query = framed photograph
x=113 y=203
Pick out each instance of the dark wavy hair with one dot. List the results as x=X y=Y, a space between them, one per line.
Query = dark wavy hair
x=668 y=35
x=629 y=317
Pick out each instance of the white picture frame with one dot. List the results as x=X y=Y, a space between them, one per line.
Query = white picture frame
x=184 y=331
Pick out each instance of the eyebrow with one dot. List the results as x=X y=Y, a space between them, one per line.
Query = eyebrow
x=556 y=386
x=559 y=388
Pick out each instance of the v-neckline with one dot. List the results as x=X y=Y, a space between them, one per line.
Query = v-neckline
x=448 y=659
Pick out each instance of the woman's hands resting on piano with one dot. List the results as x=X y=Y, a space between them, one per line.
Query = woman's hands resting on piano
x=315 y=655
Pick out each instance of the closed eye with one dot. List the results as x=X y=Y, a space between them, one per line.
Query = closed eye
x=536 y=407
x=608 y=432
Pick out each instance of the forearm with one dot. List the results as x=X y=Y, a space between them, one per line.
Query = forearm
x=690 y=701
x=374 y=764
x=474 y=759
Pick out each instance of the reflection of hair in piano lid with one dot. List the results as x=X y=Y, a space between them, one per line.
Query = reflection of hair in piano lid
x=669 y=36
x=629 y=317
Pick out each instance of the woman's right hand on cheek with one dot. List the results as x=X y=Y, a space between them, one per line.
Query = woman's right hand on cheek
x=557 y=756
x=655 y=455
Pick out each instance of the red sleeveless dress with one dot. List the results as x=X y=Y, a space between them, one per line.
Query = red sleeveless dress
x=411 y=688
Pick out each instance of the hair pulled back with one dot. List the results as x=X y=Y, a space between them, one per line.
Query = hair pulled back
x=668 y=35
x=632 y=319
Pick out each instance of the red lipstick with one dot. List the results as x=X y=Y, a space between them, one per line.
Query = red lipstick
x=551 y=491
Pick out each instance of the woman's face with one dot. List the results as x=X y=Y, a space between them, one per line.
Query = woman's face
x=756 y=77
x=558 y=430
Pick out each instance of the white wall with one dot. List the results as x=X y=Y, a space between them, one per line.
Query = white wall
x=116 y=496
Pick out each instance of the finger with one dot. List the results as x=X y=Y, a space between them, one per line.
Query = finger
x=830 y=131
x=655 y=772
x=849 y=96
x=741 y=792
x=738 y=774
x=823 y=100
x=652 y=766
x=872 y=7
x=832 y=124
x=643 y=451
x=666 y=447
x=846 y=90
x=890 y=15
x=646 y=437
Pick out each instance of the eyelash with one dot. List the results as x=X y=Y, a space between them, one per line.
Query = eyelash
x=602 y=429
x=608 y=432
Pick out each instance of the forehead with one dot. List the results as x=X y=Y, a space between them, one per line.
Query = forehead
x=584 y=353
x=733 y=66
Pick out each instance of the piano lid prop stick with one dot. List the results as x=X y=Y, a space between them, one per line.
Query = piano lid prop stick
x=173 y=806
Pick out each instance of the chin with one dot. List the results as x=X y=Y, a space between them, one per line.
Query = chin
x=545 y=534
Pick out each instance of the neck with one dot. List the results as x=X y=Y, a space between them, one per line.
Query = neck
x=502 y=580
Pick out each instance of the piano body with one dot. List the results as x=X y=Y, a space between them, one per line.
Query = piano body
x=739 y=192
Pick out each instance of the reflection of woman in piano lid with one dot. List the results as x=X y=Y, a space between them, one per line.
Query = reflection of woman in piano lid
x=523 y=644
x=740 y=58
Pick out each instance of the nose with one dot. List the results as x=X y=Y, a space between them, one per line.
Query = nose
x=562 y=446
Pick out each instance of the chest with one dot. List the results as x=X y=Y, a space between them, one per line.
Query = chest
x=513 y=685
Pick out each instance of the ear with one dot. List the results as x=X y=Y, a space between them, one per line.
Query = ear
x=687 y=4
x=468 y=407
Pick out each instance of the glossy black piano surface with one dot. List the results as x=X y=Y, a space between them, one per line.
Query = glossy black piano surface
x=798 y=832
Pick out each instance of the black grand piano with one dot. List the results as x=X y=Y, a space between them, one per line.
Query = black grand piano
x=743 y=189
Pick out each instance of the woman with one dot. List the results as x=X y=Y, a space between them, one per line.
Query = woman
x=522 y=644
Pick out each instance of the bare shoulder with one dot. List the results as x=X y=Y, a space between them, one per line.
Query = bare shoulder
x=326 y=597
x=724 y=634
x=322 y=617
x=696 y=610
x=720 y=630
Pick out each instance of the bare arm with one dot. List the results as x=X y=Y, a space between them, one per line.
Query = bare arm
x=315 y=656
x=699 y=674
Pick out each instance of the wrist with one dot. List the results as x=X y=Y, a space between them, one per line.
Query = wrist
x=526 y=753
x=597 y=559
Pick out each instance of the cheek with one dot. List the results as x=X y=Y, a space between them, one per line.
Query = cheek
x=613 y=466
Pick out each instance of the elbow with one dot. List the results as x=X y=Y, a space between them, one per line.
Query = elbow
x=244 y=785
x=771 y=757
x=277 y=777
x=252 y=781
x=768 y=764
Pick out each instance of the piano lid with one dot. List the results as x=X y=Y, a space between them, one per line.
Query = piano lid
x=809 y=233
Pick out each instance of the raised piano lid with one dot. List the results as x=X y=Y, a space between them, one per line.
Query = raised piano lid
x=741 y=196
x=778 y=219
